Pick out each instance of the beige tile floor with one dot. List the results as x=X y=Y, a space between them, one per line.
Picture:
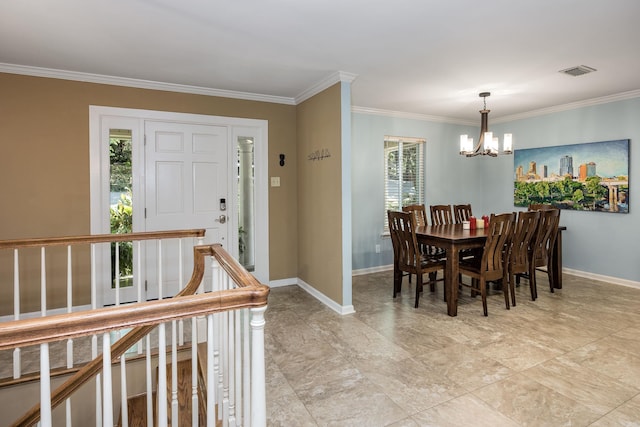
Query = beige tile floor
x=571 y=358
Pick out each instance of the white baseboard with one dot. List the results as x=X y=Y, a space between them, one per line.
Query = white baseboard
x=370 y=270
x=340 y=309
x=314 y=293
x=602 y=278
x=283 y=282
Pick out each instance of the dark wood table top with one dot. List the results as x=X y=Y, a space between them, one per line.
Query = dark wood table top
x=452 y=232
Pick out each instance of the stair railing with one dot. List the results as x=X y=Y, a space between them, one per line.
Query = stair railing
x=75 y=247
x=234 y=312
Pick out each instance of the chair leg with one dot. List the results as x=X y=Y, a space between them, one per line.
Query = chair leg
x=397 y=281
x=483 y=293
x=512 y=289
x=432 y=281
x=532 y=282
x=550 y=274
x=418 y=288
x=505 y=291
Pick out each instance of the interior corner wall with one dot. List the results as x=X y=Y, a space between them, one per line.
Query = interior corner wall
x=319 y=195
x=44 y=167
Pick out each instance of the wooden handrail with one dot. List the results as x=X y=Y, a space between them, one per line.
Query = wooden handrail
x=142 y=316
x=100 y=238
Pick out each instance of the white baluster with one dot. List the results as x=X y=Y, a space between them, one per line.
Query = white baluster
x=94 y=338
x=149 y=381
x=214 y=340
x=124 y=411
x=258 y=387
x=162 y=376
x=93 y=278
x=224 y=364
x=107 y=393
x=94 y=354
x=68 y=412
x=138 y=272
x=45 y=386
x=174 y=376
x=43 y=282
x=237 y=367
x=180 y=287
x=246 y=367
x=211 y=375
x=138 y=269
x=160 y=271
x=17 y=365
x=69 y=305
x=194 y=373
x=117 y=268
x=232 y=371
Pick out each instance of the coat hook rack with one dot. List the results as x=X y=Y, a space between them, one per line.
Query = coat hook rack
x=319 y=154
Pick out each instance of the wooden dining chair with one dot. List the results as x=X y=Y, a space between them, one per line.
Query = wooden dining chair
x=522 y=243
x=419 y=213
x=542 y=253
x=441 y=214
x=491 y=265
x=462 y=213
x=406 y=253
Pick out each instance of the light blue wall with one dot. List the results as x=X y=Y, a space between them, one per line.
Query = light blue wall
x=449 y=178
x=598 y=243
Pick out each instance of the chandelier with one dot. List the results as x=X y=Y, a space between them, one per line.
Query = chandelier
x=487 y=144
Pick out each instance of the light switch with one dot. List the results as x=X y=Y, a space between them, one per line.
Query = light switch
x=275 y=181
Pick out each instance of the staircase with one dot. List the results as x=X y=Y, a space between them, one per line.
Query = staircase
x=137 y=405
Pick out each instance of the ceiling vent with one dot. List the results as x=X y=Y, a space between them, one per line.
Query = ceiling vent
x=578 y=70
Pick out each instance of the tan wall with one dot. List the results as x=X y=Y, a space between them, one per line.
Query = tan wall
x=44 y=163
x=319 y=194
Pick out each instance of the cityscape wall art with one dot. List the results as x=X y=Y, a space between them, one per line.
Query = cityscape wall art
x=583 y=177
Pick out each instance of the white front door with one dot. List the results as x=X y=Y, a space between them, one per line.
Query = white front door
x=186 y=187
x=189 y=163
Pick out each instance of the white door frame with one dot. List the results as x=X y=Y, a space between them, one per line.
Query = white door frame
x=101 y=118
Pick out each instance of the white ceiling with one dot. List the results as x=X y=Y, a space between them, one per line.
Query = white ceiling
x=425 y=57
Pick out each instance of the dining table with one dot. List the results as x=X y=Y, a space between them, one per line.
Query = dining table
x=453 y=238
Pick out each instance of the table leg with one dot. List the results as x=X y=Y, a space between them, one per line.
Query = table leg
x=451 y=281
x=557 y=262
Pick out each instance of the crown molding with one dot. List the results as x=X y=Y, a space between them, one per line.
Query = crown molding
x=504 y=119
x=570 y=106
x=338 y=76
x=414 y=116
x=140 y=84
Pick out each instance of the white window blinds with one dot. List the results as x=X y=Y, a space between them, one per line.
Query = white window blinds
x=403 y=173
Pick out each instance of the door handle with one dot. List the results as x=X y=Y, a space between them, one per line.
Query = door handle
x=222 y=219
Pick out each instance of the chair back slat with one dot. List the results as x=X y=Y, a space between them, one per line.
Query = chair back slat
x=493 y=256
x=419 y=213
x=524 y=233
x=441 y=214
x=402 y=226
x=462 y=213
x=546 y=235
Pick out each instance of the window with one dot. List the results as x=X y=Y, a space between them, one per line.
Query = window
x=403 y=173
x=121 y=208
